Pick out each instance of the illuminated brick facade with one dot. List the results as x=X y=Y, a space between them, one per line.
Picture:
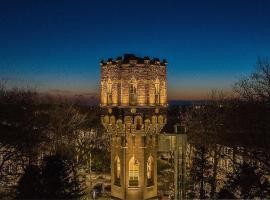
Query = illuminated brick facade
x=133 y=102
x=133 y=81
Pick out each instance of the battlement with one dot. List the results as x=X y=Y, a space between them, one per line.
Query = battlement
x=133 y=59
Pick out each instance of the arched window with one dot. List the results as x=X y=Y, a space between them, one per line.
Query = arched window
x=133 y=91
x=154 y=119
x=138 y=121
x=119 y=123
x=147 y=124
x=106 y=119
x=157 y=91
x=133 y=172
x=160 y=119
x=109 y=92
x=117 y=171
x=128 y=120
x=150 y=171
x=112 y=120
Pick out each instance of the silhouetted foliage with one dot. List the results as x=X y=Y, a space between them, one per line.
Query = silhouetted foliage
x=256 y=87
x=225 y=194
x=200 y=171
x=22 y=135
x=240 y=125
x=248 y=182
x=31 y=128
x=29 y=186
x=55 y=179
x=59 y=180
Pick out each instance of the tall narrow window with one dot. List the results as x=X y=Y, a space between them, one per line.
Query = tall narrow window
x=147 y=124
x=109 y=92
x=160 y=119
x=154 y=119
x=157 y=91
x=133 y=172
x=106 y=119
x=138 y=122
x=150 y=171
x=117 y=171
x=133 y=92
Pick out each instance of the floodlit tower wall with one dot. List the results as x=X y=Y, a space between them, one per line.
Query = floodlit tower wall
x=148 y=77
x=133 y=101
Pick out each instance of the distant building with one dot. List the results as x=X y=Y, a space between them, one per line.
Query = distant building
x=134 y=102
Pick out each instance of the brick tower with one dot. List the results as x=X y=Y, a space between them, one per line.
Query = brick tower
x=133 y=101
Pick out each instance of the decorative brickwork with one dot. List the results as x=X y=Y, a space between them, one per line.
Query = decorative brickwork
x=133 y=81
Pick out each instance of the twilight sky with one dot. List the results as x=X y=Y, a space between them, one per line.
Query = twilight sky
x=56 y=45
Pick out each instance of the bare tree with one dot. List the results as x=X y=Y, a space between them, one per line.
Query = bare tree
x=64 y=121
x=205 y=126
x=256 y=87
x=21 y=136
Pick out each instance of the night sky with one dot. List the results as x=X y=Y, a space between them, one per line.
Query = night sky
x=56 y=45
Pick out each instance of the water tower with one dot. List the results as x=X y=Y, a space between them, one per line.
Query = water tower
x=134 y=103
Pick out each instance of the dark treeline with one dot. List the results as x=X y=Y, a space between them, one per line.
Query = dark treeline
x=40 y=134
x=229 y=137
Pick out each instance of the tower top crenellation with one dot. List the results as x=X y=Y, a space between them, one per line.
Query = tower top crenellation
x=133 y=59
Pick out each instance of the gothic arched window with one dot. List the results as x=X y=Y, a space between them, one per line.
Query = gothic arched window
x=133 y=167
x=119 y=123
x=106 y=119
x=147 y=124
x=133 y=91
x=138 y=121
x=154 y=119
x=160 y=119
x=112 y=120
x=150 y=171
x=117 y=171
x=109 y=92
x=157 y=91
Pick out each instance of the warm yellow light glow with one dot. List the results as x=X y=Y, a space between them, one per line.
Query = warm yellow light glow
x=137 y=85
x=118 y=167
x=150 y=167
x=133 y=172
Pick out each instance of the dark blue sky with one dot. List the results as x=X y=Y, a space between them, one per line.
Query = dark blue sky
x=57 y=44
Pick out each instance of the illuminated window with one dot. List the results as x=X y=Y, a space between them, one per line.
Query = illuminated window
x=109 y=92
x=160 y=119
x=106 y=119
x=133 y=172
x=117 y=171
x=128 y=120
x=147 y=124
x=157 y=91
x=154 y=119
x=112 y=120
x=138 y=123
x=133 y=88
x=119 y=123
x=133 y=92
x=150 y=171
